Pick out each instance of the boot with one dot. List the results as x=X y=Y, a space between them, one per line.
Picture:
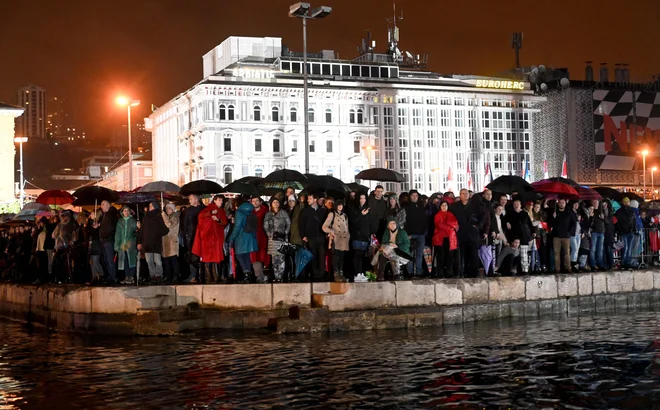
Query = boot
x=214 y=273
x=339 y=277
x=208 y=276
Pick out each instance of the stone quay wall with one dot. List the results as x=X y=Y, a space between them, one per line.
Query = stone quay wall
x=305 y=307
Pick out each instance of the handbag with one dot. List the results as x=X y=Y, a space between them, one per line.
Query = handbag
x=279 y=236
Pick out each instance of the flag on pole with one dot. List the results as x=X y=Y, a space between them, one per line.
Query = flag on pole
x=564 y=168
x=450 y=179
x=469 y=177
x=528 y=175
x=488 y=176
x=546 y=175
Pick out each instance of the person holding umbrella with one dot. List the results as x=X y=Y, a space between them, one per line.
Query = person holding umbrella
x=210 y=237
x=150 y=240
x=244 y=239
x=171 y=244
x=107 y=228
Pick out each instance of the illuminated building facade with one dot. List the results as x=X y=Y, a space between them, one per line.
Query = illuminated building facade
x=32 y=123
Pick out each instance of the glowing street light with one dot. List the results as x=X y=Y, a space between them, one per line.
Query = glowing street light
x=20 y=141
x=127 y=102
x=369 y=149
x=652 y=187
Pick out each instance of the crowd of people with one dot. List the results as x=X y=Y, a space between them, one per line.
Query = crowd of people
x=361 y=236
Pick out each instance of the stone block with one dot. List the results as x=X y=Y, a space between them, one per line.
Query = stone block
x=475 y=291
x=291 y=294
x=562 y=305
x=370 y=295
x=618 y=282
x=645 y=299
x=587 y=304
x=77 y=301
x=448 y=292
x=186 y=294
x=321 y=287
x=541 y=287
x=428 y=319
x=567 y=285
x=599 y=283
x=415 y=293
x=145 y=292
x=531 y=309
x=352 y=320
x=451 y=315
x=391 y=319
x=604 y=303
x=517 y=309
x=634 y=300
x=548 y=307
x=113 y=300
x=506 y=289
x=473 y=313
x=339 y=288
x=643 y=280
x=253 y=296
x=573 y=305
x=260 y=319
x=223 y=319
x=621 y=303
x=585 y=284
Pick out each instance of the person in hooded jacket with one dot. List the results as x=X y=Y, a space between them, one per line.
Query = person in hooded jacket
x=294 y=216
x=126 y=245
x=360 y=234
x=393 y=237
x=395 y=211
x=260 y=258
x=171 y=244
x=445 y=241
x=150 y=240
x=210 y=237
x=65 y=236
x=244 y=242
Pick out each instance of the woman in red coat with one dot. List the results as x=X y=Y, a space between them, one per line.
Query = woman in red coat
x=210 y=237
x=445 y=241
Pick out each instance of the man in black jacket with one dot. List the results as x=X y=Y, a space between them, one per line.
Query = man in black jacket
x=377 y=210
x=625 y=225
x=311 y=221
x=360 y=235
x=472 y=227
x=107 y=227
x=416 y=226
x=519 y=226
x=562 y=223
x=188 y=230
x=150 y=240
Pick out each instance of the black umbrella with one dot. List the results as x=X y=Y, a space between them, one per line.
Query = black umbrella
x=135 y=198
x=201 y=187
x=91 y=195
x=242 y=188
x=508 y=184
x=164 y=187
x=380 y=174
x=609 y=193
x=327 y=183
x=355 y=187
x=251 y=180
x=329 y=193
x=566 y=181
x=284 y=178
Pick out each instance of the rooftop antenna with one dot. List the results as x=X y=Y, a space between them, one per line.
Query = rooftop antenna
x=516 y=44
x=393 y=35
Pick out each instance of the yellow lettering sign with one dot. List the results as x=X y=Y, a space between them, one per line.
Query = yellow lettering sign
x=499 y=84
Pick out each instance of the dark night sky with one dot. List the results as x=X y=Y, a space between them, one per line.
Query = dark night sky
x=89 y=51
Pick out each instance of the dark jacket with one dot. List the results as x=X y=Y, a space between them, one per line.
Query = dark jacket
x=521 y=226
x=625 y=220
x=359 y=225
x=563 y=223
x=108 y=225
x=472 y=220
x=377 y=211
x=416 y=219
x=189 y=225
x=311 y=221
x=151 y=232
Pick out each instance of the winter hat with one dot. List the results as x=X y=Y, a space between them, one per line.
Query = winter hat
x=339 y=202
x=413 y=191
x=292 y=198
x=625 y=200
x=634 y=203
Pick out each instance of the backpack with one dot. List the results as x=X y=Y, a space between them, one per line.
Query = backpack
x=251 y=222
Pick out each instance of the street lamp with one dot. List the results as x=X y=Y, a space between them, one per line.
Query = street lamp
x=20 y=141
x=652 y=187
x=126 y=102
x=644 y=154
x=302 y=10
x=369 y=149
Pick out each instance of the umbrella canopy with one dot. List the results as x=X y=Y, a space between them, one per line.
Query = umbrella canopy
x=609 y=193
x=380 y=174
x=284 y=178
x=327 y=183
x=566 y=181
x=201 y=187
x=559 y=189
x=160 y=187
x=55 y=197
x=650 y=205
x=91 y=195
x=242 y=188
x=251 y=180
x=302 y=258
x=135 y=198
x=27 y=215
x=35 y=205
x=633 y=196
x=355 y=187
x=508 y=184
x=587 y=194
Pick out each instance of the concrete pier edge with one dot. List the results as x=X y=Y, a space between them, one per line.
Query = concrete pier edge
x=306 y=307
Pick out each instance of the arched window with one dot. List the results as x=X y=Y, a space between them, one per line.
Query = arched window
x=275 y=113
x=259 y=172
x=351 y=116
x=223 y=112
x=257 y=113
x=328 y=115
x=360 y=116
x=310 y=114
x=229 y=175
x=294 y=115
x=230 y=113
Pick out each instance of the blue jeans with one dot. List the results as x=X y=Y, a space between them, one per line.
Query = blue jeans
x=128 y=271
x=155 y=263
x=245 y=262
x=628 y=239
x=575 y=247
x=596 y=255
x=108 y=258
x=420 y=240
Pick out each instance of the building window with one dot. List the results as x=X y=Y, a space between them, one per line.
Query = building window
x=430 y=117
x=374 y=115
x=229 y=176
x=472 y=119
x=294 y=145
x=458 y=119
x=275 y=113
x=417 y=117
x=360 y=116
x=445 y=101
x=402 y=116
x=312 y=146
x=431 y=138
x=257 y=113
x=356 y=146
x=222 y=110
x=293 y=115
x=258 y=172
x=485 y=121
x=388 y=116
x=227 y=143
x=310 y=115
x=444 y=139
x=328 y=146
x=276 y=145
x=444 y=118
x=328 y=115
x=257 y=145
x=459 y=101
x=351 y=116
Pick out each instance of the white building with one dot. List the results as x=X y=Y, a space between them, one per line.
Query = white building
x=245 y=118
x=32 y=123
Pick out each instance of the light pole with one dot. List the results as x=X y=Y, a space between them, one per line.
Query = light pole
x=21 y=184
x=127 y=102
x=644 y=154
x=302 y=11
x=369 y=149
x=652 y=187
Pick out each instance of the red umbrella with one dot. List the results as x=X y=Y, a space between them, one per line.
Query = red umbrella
x=588 y=194
x=55 y=197
x=555 y=188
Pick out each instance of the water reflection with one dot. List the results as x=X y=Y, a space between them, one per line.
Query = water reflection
x=587 y=362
